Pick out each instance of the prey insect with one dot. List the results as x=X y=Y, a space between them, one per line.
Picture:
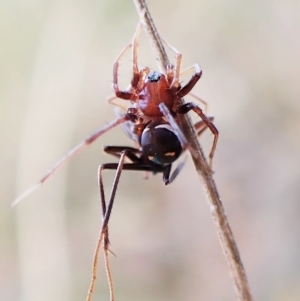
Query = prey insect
x=150 y=121
x=158 y=147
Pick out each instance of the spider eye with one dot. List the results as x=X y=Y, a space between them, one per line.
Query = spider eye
x=160 y=144
x=154 y=76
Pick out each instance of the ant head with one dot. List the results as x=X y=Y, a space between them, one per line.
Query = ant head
x=160 y=144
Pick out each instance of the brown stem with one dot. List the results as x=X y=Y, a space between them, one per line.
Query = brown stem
x=223 y=229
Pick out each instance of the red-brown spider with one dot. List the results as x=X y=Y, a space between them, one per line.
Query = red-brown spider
x=154 y=95
x=158 y=95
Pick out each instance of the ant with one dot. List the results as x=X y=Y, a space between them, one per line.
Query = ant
x=158 y=147
x=150 y=121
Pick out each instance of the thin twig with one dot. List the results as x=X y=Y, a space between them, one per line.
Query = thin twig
x=223 y=229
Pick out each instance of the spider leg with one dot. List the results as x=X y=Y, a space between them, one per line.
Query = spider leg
x=176 y=68
x=191 y=83
x=135 y=45
x=112 y=100
x=190 y=93
x=70 y=154
x=128 y=94
x=200 y=127
x=204 y=103
x=184 y=143
x=137 y=75
x=191 y=106
x=137 y=82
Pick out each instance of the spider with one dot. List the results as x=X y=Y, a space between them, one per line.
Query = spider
x=153 y=95
x=158 y=95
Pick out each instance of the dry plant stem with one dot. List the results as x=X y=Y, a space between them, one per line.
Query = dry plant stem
x=155 y=39
x=224 y=232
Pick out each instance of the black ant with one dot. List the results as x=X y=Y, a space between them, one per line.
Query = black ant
x=158 y=147
x=151 y=122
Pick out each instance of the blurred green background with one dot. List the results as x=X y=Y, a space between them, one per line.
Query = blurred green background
x=56 y=70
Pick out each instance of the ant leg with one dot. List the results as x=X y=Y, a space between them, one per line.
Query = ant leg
x=192 y=82
x=167 y=170
x=191 y=106
x=70 y=154
x=106 y=236
x=117 y=152
x=106 y=210
x=166 y=174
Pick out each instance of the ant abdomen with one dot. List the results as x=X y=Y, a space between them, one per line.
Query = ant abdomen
x=160 y=144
